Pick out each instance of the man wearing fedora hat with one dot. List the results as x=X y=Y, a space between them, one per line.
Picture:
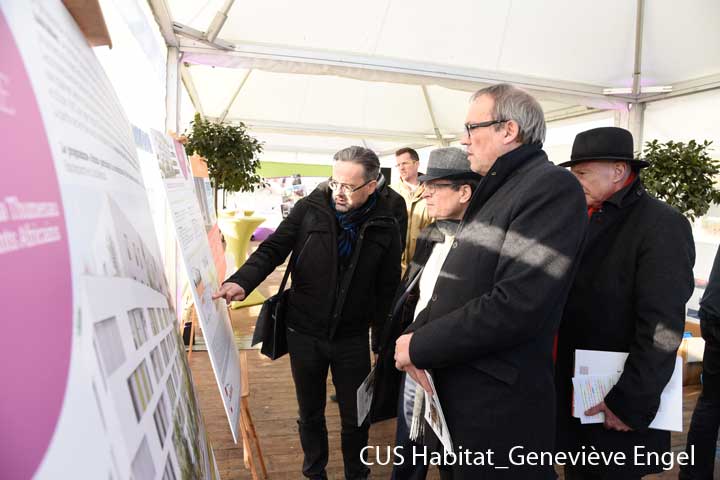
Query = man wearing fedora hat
x=487 y=331
x=629 y=295
x=448 y=187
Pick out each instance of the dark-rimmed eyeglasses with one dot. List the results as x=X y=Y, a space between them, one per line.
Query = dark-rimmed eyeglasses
x=336 y=186
x=469 y=127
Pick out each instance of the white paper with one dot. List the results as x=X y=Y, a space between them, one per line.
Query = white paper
x=434 y=416
x=603 y=367
x=364 y=396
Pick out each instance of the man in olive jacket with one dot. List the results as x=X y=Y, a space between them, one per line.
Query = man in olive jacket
x=346 y=252
x=487 y=332
x=629 y=295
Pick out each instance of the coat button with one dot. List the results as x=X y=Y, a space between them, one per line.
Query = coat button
x=455 y=244
x=434 y=297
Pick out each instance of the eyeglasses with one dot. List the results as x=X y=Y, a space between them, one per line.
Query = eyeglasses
x=469 y=127
x=336 y=186
x=433 y=187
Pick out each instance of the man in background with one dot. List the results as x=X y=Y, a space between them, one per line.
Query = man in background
x=411 y=189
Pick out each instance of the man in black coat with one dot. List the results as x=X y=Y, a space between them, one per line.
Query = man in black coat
x=629 y=295
x=346 y=248
x=448 y=187
x=703 y=433
x=487 y=332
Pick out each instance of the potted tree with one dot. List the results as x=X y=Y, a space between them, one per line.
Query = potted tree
x=231 y=155
x=683 y=175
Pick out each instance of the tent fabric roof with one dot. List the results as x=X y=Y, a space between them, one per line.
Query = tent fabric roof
x=387 y=73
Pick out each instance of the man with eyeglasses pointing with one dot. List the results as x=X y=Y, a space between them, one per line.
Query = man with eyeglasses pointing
x=345 y=244
x=486 y=334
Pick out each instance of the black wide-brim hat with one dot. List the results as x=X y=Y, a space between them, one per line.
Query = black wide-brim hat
x=604 y=144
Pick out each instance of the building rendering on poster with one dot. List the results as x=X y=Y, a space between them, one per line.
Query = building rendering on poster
x=201 y=270
x=95 y=380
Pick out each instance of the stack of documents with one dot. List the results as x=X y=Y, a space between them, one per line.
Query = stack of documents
x=596 y=372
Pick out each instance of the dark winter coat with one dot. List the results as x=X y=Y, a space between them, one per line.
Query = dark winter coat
x=629 y=295
x=387 y=377
x=487 y=332
x=325 y=300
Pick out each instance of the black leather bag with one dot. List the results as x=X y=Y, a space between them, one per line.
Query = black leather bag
x=270 y=328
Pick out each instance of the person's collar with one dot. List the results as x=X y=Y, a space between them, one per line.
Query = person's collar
x=513 y=159
x=410 y=186
x=618 y=198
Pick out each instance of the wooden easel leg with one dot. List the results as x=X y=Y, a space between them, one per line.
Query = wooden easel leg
x=253 y=435
x=247 y=452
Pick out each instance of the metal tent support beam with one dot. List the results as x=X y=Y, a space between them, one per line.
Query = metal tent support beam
x=190 y=87
x=284 y=59
x=639 y=22
x=438 y=134
x=633 y=119
x=225 y=112
x=268 y=126
x=697 y=85
x=172 y=90
x=164 y=20
x=219 y=21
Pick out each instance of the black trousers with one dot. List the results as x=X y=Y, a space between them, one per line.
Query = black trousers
x=705 y=421
x=349 y=361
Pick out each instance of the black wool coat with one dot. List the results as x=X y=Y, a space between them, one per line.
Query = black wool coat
x=387 y=377
x=487 y=332
x=629 y=295
x=326 y=301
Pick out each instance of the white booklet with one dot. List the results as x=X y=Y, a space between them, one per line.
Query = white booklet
x=364 y=396
x=596 y=372
x=434 y=416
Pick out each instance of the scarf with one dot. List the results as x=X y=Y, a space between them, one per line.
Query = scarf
x=630 y=179
x=350 y=223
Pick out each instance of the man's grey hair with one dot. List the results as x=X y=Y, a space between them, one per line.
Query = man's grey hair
x=512 y=103
x=362 y=156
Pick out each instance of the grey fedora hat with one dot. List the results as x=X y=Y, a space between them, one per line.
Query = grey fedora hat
x=450 y=163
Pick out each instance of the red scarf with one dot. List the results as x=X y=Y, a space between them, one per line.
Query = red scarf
x=629 y=180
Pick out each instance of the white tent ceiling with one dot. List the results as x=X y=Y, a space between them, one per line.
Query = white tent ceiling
x=314 y=76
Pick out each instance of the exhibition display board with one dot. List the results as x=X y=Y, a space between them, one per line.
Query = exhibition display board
x=200 y=268
x=94 y=376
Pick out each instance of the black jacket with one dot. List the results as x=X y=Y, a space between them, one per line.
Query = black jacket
x=710 y=302
x=488 y=330
x=387 y=377
x=629 y=295
x=326 y=301
x=397 y=207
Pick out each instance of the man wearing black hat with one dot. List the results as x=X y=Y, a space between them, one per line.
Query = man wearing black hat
x=629 y=295
x=448 y=188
